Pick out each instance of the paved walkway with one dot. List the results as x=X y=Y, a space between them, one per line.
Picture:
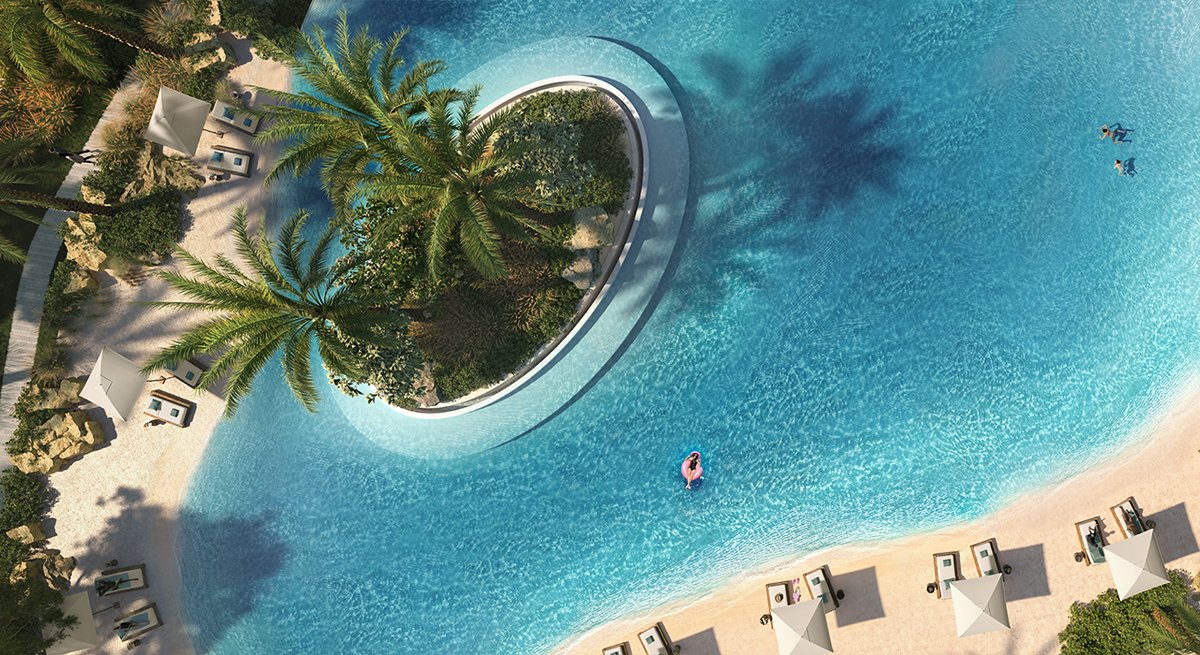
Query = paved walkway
x=35 y=277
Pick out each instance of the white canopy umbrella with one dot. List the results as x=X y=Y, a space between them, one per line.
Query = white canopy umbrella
x=177 y=121
x=83 y=635
x=979 y=605
x=1136 y=564
x=801 y=629
x=115 y=384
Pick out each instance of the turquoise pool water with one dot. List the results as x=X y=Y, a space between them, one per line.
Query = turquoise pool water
x=907 y=285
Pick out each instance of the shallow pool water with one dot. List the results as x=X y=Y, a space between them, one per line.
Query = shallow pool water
x=907 y=285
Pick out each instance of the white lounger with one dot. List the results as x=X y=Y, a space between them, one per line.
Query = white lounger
x=986 y=562
x=1091 y=540
x=118 y=581
x=619 y=649
x=779 y=594
x=1129 y=518
x=140 y=622
x=945 y=571
x=186 y=371
x=231 y=160
x=169 y=408
x=819 y=587
x=655 y=641
x=228 y=114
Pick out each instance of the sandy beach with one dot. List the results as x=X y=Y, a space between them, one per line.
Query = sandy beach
x=886 y=608
x=123 y=501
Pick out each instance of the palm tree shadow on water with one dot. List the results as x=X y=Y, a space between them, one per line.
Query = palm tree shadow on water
x=815 y=145
x=231 y=586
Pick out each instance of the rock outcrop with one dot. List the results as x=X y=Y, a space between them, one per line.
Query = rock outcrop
x=63 y=438
x=30 y=533
x=593 y=229
x=47 y=565
x=63 y=396
x=82 y=242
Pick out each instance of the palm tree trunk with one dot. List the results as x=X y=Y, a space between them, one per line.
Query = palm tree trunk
x=54 y=202
x=132 y=40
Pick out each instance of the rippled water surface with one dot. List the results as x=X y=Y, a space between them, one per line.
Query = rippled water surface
x=908 y=285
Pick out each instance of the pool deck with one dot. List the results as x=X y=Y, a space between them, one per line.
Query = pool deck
x=123 y=501
x=886 y=608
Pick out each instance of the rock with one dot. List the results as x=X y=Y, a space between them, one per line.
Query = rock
x=47 y=565
x=64 y=396
x=30 y=533
x=82 y=242
x=62 y=438
x=579 y=272
x=78 y=280
x=593 y=229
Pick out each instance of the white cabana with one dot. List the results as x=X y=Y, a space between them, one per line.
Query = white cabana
x=801 y=629
x=114 y=385
x=979 y=605
x=82 y=635
x=1136 y=564
x=177 y=121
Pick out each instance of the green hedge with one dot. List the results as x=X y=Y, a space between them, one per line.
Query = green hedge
x=143 y=229
x=278 y=20
x=1159 y=620
x=576 y=140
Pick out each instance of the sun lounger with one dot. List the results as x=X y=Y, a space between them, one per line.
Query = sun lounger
x=1129 y=518
x=1091 y=540
x=779 y=594
x=242 y=120
x=945 y=571
x=619 y=649
x=137 y=622
x=821 y=589
x=168 y=407
x=654 y=640
x=231 y=160
x=187 y=372
x=119 y=581
x=986 y=560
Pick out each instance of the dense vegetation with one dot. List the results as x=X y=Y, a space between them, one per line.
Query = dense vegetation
x=1162 y=620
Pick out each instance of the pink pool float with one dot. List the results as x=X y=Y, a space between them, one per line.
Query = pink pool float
x=691 y=468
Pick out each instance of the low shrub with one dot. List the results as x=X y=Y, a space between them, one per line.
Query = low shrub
x=1159 y=620
x=22 y=499
x=576 y=140
x=144 y=229
x=389 y=370
x=111 y=176
x=277 y=20
x=49 y=361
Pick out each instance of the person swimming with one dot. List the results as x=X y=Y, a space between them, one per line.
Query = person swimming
x=1120 y=167
x=1106 y=133
x=692 y=463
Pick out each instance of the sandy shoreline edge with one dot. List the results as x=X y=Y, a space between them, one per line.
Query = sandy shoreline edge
x=887 y=610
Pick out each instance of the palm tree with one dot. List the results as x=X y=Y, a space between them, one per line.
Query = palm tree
x=17 y=175
x=448 y=170
x=359 y=81
x=62 y=27
x=285 y=302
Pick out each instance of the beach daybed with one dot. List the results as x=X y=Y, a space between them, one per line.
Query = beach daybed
x=1091 y=540
x=119 y=581
x=242 y=120
x=821 y=589
x=779 y=594
x=1129 y=518
x=945 y=571
x=168 y=407
x=987 y=558
x=187 y=372
x=654 y=639
x=137 y=622
x=231 y=160
x=619 y=649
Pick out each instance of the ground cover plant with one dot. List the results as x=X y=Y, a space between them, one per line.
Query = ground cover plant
x=1158 y=621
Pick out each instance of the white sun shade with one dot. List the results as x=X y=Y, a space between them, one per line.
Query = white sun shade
x=177 y=121
x=801 y=629
x=114 y=385
x=82 y=635
x=1136 y=564
x=979 y=605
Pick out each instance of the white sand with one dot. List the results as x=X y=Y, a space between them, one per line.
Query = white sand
x=122 y=501
x=886 y=608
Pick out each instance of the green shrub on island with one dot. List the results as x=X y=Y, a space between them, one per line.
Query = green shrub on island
x=575 y=139
x=22 y=500
x=389 y=367
x=1160 y=620
x=144 y=229
x=277 y=20
x=49 y=360
x=31 y=616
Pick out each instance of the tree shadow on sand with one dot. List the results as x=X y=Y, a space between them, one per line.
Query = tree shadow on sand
x=231 y=587
x=815 y=144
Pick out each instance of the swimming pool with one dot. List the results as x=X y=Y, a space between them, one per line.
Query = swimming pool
x=907 y=286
